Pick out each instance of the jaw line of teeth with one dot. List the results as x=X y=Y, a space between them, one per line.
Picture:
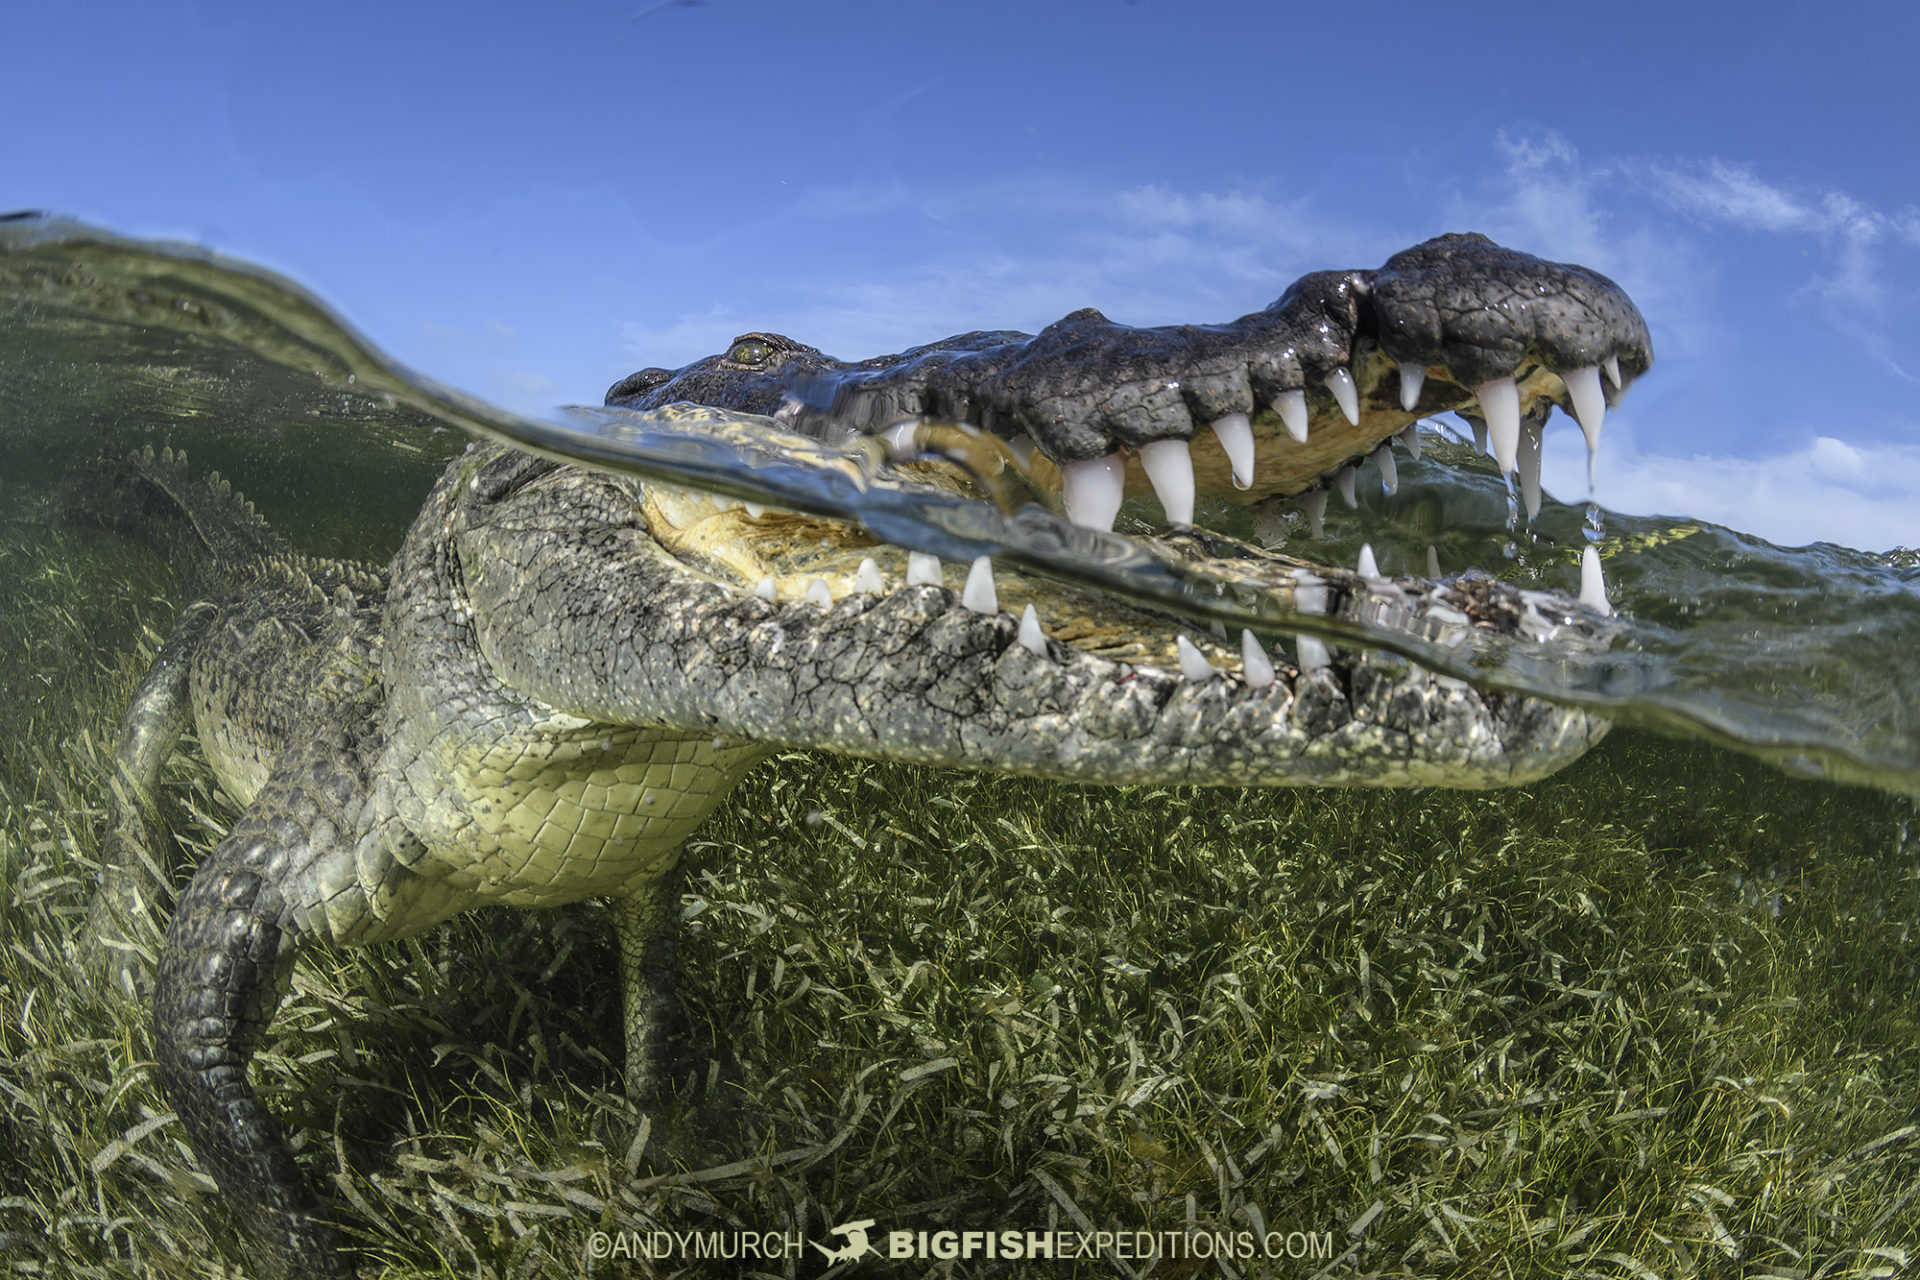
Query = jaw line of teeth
x=1257 y=668
x=980 y=596
x=1094 y=488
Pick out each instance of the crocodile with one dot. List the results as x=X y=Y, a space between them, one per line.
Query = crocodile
x=564 y=670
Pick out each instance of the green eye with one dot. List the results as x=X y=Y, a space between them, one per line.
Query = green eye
x=750 y=351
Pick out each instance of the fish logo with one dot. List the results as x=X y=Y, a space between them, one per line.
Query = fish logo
x=857 y=1245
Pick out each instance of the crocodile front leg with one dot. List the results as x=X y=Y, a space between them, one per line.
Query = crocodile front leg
x=228 y=960
x=226 y=965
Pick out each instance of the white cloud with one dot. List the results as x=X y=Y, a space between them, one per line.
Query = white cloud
x=1720 y=192
x=1864 y=495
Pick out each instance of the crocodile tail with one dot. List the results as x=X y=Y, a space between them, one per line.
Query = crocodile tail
x=201 y=522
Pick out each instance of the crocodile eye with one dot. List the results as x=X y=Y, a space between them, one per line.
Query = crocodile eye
x=750 y=351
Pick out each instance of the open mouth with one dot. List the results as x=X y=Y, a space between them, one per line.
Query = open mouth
x=1282 y=406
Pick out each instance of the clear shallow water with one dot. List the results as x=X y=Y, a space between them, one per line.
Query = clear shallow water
x=1809 y=658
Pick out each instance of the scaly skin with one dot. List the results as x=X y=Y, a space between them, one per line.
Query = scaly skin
x=562 y=672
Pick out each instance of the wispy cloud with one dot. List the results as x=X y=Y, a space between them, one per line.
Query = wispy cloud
x=1852 y=240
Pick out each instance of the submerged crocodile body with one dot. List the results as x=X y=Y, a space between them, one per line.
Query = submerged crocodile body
x=563 y=671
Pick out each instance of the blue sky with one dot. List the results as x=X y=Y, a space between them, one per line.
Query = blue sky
x=529 y=207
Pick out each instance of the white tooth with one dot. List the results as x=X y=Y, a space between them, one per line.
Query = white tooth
x=819 y=593
x=1433 y=562
x=1315 y=505
x=979 y=594
x=1529 y=464
x=903 y=441
x=754 y=509
x=1093 y=489
x=1255 y=667
x=1612 y=365
x=1236 y=441
x=1500 y=405
x=1369 y=567
x=1169 y=468
x=1593 y=583
x=1412 y=378
x=1479 y=434
x=724 y=503
x=1411 y=438
x=1032 y=638
x=1340 y=382
x=1343 y=481
x=766 y=590
x=1313 y=654
x=1309 y=592
x=1292 y=408
x=1193 y=664
x=1021 y=446
x=868 y=579
x=923 y=570
x=1589 y=407
x=1389 y=473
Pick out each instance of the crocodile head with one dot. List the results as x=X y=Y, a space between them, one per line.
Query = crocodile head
x=812 y=633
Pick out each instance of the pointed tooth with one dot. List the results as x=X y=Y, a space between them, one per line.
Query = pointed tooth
x=1612 y=365
x=1412 y=378
x=1236 y=441
x=1292 y=408
x=1369 y=567
x=868 y=579
x=1411 y=438
x=1093 y=488
x=819 y=593
x=1313 y=654
x=1529 y=464
x=1389 y=472
x=1193 y=664
x=1255 y=667
x=1032 y=639
x=1021 y=446
x=1589 y=407
x=1218 y=628
x=766 y=590
x=1500 y=405
x=1593 y=583
x=1433 y=562
x=1479 y=427
x=903 y=441
x=1169 y=468
x=1315 y=505
x=1340 y=382
x=1309 y=593
x=923 y=570
x=979 y=594
x=754 y=509
x=1343 y=481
